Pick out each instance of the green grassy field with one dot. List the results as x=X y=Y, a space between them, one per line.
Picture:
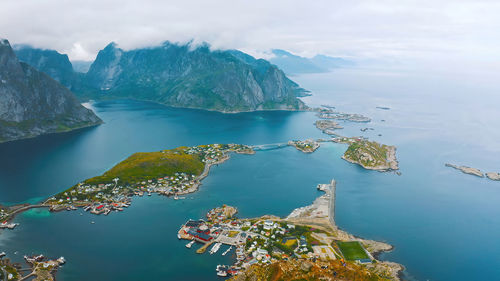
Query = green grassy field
x=149 y=165
x=352 y=250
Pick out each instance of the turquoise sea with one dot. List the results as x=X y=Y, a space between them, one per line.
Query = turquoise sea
x=444 y=224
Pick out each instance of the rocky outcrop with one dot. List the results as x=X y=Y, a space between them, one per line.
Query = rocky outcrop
x=493 y=176
x=32 y=103
x=467 y=170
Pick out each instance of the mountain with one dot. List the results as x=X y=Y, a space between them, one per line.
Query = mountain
x=177 y=75
x=293 y=64
x=81 y=66
x=50 y=62
x=32 y=103
x=194 y=77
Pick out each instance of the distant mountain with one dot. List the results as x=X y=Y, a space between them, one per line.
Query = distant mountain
x=293 y=64
x=50 y=62
x=32 y=103
x=183 y=76
x=81 y=66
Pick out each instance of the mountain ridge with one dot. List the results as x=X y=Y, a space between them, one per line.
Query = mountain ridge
x=190 y=77
x=32 y=103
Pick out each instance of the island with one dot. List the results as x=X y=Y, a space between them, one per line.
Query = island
x=494 y=176
x=171 y=172
x=328 y=126
x=307 y=146
x=466 y=170
x=40 y=268
x=303 y=245
x=371 y=155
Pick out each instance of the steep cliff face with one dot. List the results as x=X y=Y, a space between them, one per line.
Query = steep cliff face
x=178 y=75
x=32 y=103
x=50 y=62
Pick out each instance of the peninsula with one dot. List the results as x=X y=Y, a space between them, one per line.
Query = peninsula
x=171 y=172
x=303 y=245
x=40 y=268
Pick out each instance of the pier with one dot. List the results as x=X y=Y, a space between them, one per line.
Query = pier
x=204 y=247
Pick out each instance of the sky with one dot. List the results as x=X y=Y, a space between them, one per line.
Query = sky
x=398 y=30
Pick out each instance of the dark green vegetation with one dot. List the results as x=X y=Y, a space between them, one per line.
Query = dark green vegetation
x=352 y=250
x=367 y=153
x=178 y=75
x=149 y=165
x=32 y=103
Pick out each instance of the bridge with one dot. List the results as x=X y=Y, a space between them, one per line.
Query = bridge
x=269 y=146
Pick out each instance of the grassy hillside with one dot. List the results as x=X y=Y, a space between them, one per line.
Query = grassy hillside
x=367 y=153
x=148 y=165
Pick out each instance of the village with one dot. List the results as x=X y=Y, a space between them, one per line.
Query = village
x=38 y=266
x=105 y=197
x=264 y=241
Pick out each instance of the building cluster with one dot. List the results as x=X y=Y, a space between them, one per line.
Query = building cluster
x=108 y=196
x=256 y=241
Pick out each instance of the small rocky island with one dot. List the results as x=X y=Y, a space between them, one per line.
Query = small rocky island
x=307 y=146
x=475 y=172
x=328 y=126
x=371 y=155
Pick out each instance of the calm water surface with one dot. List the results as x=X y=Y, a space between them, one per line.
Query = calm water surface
x=444 y=225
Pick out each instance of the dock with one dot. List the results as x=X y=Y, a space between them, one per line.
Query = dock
x=204 y=247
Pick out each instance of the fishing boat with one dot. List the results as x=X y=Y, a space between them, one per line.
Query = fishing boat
x=188 y=245
x=227 y=251
x=215 y=248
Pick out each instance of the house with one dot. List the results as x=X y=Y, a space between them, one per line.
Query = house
x=268 y=225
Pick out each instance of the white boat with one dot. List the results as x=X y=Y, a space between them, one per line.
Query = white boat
x=178 y=236
x=227 y=251
x=222 y=273
x=215 y=248
x=190 y=244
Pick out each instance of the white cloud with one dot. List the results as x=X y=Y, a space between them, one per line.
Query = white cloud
x=390 y=29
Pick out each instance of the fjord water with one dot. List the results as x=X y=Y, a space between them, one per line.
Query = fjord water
x=444 y=224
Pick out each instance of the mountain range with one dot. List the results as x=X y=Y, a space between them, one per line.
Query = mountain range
x=32 y=103
x=179 y=75
x=293 y=64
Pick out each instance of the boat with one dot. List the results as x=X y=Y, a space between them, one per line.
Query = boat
x=222 y=273
x=92 y=222
x=176 y=197
x=149 y=193
x=188 y=245
x=221 y=270
x=215 y=248
x=87 y=208
x=227 y=251
x=178 y=236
